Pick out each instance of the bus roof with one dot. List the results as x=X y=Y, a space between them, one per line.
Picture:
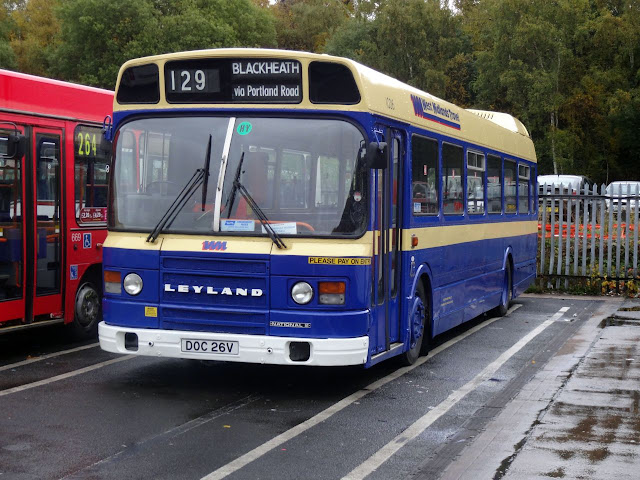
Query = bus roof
x=379 y=94
x=28 y=94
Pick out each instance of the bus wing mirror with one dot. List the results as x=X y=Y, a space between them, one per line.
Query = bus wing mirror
x=105 y=146
x=377 y=156
x=14 y=147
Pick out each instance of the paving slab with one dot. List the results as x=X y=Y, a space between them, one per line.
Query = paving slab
x=577 y=418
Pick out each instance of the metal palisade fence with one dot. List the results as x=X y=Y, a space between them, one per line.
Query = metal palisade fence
x=589 y=235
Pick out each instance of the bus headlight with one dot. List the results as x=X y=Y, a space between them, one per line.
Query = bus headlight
x=302 y=293
x=132 y=284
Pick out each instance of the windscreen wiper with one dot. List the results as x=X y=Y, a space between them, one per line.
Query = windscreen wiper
x=234 y=189
x=199 y=177
x=185 y=194
x=207 y=162
x=275 y=237
x=238 y=187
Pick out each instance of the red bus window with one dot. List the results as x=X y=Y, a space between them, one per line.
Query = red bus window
x=91 y=176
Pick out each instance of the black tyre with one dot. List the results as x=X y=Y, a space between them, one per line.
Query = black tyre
x=505 y=299
x=418 y=329
x=88 y=311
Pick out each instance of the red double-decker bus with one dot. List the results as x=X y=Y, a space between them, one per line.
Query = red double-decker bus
x=53 y=198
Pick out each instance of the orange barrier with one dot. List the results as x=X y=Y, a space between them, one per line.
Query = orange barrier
x=572 y=231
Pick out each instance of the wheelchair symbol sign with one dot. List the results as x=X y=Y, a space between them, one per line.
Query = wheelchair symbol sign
x=86 y=240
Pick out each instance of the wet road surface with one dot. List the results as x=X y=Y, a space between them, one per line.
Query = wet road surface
x=72 y=411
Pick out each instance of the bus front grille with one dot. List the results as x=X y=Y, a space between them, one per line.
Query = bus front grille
x=223 y=295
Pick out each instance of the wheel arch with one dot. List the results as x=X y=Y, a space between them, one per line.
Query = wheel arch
x=93 y=274
x=508 y=260
x=77 y=328
x=424 y=277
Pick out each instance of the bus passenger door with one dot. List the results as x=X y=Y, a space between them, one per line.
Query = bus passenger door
x=45 y=228
x=12 y=231
x=387 y=248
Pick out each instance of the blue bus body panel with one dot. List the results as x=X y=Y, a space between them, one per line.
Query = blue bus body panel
x=210 y=301
x=465 y=286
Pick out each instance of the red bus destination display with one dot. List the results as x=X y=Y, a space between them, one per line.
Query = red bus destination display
x=233 y=81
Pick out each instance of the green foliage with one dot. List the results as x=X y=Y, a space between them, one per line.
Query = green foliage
x=7 y=56
x=35 y=35
x=558 y=66
x=97 y=36
x=307 y=24
x=416 y=41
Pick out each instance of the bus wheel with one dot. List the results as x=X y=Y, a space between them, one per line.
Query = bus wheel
x=88 y=311
x=505 y=299
x=417 y=328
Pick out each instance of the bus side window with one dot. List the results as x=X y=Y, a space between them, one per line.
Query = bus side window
x=475 y=183
x=327 y=181
x=452 y=194
x=494 y=184
x=524 y=176
x=533 y=191
x=510 y=186
x=294 y=171
x=158 y=151
x=424 y=173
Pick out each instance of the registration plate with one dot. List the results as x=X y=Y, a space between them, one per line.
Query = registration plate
x=210 y=346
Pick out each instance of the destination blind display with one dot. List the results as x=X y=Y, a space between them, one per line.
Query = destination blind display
x=244 y=80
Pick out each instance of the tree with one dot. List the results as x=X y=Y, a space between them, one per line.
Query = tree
x=7 y=57
x=97 y=36
x=308 y=24
x=526 y=61
x=416 y=41
x=36 y=30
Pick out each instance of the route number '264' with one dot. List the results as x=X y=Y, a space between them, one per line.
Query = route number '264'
x=87 y=144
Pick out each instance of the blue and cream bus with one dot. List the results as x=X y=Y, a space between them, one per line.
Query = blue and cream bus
x=283 y=207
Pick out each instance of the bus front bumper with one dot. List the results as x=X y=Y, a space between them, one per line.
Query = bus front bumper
x=250 y=348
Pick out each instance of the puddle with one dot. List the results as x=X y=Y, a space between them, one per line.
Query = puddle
x=583 y=432
x=566 y=454
x=612 y=422
x=618 y=322
x=558 y=473
x=597 y=455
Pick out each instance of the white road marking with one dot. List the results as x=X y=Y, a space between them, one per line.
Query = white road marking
x=560 y=313
x=64 y=376
x=45 y=357
x=386 y=452
x=284 y=437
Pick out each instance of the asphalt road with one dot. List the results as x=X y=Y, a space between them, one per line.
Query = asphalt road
x=72 y=411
